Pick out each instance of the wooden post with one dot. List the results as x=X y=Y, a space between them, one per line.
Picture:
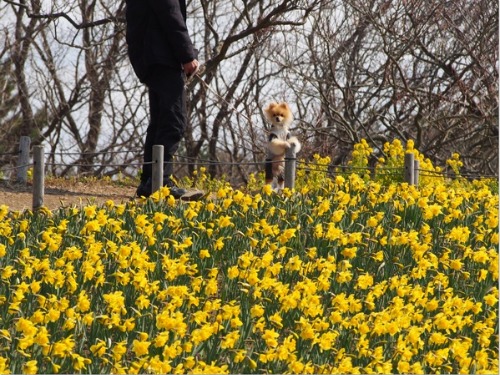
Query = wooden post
x=157 y=173
x=38 y=176
x=24 y=160
x=409 y=168
x=416 y=173
x=290 y=167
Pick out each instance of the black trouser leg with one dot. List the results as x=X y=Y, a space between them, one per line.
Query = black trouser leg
x=167 y=106
x=269 y=171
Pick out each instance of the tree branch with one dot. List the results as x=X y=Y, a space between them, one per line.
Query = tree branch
x=76 y=25
x=79 y=26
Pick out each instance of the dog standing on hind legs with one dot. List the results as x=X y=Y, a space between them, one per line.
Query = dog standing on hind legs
x=280 y=117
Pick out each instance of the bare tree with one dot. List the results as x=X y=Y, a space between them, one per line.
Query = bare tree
x=82 y=92
x=425 y=70
x=78 y=97
x=421 y=70
x=225 y=105
x=17 y=42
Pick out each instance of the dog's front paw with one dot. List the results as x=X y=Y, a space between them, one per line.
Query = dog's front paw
x=295 y=142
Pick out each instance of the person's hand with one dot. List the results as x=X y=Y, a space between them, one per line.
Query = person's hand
x=191 y=68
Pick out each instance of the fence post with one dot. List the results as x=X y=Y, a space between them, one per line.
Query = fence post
x=290 y=167
x=38 y=176
x=157 y=173
x=409 y=168
x=416 y=166
x=24 y=160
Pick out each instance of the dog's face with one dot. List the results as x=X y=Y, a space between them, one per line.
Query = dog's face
x=279 y=114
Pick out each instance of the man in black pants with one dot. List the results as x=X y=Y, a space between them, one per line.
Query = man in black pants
x=162 y=54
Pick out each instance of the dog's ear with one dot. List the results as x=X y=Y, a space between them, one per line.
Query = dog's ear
x=284 y=106
x=271 y=106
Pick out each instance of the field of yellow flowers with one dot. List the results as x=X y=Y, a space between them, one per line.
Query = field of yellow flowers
x=347 y=273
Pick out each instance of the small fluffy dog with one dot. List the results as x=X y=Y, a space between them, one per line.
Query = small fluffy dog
x=280 y=117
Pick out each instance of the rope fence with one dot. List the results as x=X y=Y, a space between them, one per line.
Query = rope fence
x=411 y=171
x=95 y=153
x=94 y=165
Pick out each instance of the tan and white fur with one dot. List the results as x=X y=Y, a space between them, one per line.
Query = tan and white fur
x=279 y=115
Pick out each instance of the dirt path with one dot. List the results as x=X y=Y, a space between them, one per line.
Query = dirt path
x=63 y=193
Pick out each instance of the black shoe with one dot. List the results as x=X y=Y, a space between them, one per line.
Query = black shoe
x=175 y=191
x=144 y=188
